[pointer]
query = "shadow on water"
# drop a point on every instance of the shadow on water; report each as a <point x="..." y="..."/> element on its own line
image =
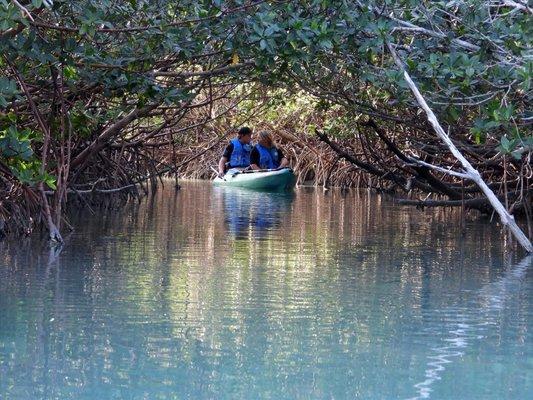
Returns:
<point x="251" y="213"/>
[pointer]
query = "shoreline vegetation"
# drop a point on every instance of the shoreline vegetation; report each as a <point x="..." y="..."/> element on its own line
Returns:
<point x="427" y="102"/>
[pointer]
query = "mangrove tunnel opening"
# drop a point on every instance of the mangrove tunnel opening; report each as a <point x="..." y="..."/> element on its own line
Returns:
<point x="101" y="100"/>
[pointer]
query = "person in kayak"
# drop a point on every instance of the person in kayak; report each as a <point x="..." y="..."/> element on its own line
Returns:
<point x="265" y="155"/>
<point x="237" y="152"/>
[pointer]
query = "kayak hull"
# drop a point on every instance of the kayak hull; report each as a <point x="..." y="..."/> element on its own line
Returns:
<point x="275" y="180"/>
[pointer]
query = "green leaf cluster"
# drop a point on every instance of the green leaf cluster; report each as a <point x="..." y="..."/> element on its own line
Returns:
<point x="16" y="152"/>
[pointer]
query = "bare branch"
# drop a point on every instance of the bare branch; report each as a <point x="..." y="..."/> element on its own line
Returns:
<point x="470" y="171"/>
<point x="24" y="10"/>
<point x="461" y="175"/>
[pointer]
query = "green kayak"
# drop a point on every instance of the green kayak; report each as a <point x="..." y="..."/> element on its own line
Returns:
<point x="272" y="180"/>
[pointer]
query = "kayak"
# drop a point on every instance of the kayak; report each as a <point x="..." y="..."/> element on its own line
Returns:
<point x="272" y="180"/>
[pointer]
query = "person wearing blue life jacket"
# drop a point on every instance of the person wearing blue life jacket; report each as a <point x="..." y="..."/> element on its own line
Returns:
<point x="265" y="155"/>
<point x="237" y="152"/>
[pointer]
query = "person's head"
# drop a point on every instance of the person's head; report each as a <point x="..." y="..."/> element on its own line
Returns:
<point x="245" y="135"/>
<point x="265" y="139"/>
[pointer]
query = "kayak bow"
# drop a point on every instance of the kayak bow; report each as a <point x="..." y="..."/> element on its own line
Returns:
<point x="276" y="179"/>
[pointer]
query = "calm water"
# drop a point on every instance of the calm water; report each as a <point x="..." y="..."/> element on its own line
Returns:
<point x="217" y="294"/>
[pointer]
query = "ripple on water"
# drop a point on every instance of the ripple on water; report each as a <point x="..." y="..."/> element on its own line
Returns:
<point x="229" y="294"/>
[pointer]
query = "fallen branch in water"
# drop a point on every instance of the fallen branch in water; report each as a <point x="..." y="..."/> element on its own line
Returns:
<point x="469" y="203"/>
<point x="442" y="203"/>
<point x="469" y="171"/>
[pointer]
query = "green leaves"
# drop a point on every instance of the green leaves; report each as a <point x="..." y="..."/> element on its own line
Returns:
<point x="495" y="118"/>
<point x="49" y="180"/>
<point x="507" y="145"/>
<point x="503" y="113"/>
<point x="16" y="152"/>
<point x="525" y="74"/>
<point x="16" y="144"/>
<point x="70" y="72"/>
<point x="40" y="3"/>
<point x="330" y="45"/>
<point x="516" y="147"/>
<point x="9" y="15"/>
<point x="8" y="90"/>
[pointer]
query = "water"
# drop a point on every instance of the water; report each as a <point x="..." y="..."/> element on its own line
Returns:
<point x="225" y="294"/>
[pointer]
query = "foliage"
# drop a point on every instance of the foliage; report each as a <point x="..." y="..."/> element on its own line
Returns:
<point x="16" y="152"/>
<point x="471" y="58"/>
<point x="106" y="75"/>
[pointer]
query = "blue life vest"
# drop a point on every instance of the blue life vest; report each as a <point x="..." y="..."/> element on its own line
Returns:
<point x="240" y="156"/>
<point x="268" y="158"/>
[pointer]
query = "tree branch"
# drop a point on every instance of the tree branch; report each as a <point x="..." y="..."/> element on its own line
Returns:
<point x="470" y="172"/>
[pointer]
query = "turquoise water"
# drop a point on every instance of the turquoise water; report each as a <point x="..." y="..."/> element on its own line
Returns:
<point x="226" y="294"/>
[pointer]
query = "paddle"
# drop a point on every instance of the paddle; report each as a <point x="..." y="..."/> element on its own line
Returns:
<point x="216" y="172"/>
<point x="232" y="173"/>
<point x="251" y="171"/>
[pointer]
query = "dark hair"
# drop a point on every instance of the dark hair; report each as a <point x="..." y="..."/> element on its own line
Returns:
<point x="245" y="131"/>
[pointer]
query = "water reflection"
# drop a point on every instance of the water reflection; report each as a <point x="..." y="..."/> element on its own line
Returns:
<point x="250" y="213"/>
<point x="469" y="325"/>
<point x="342" y="297"/>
